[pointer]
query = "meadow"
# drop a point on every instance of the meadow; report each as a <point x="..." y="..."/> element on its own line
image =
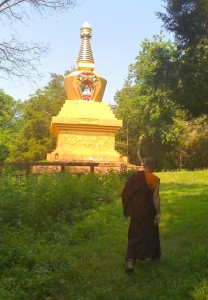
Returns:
<point x="63" y="237"/>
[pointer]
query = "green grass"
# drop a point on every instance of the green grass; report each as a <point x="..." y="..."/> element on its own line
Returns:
<point x="86" y="260"/>
<point x="182" y="272"/>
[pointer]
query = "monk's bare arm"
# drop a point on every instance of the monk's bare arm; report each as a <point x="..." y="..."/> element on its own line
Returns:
<point x="156" y="200"/>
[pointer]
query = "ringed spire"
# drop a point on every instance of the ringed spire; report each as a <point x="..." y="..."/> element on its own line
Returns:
<point x="85" y="60"/>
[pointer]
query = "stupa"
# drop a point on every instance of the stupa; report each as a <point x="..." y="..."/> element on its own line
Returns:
<point x="85" y="126"/>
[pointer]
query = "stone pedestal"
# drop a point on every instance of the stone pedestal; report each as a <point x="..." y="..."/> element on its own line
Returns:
<point x="85" y="131"/>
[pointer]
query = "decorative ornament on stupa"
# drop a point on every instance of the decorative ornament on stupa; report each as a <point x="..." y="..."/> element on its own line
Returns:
<point x="85" y="126"/>
<point x="85" y="83"/>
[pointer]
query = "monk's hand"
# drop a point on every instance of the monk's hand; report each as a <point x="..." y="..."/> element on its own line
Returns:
<point x="157" y="219"/>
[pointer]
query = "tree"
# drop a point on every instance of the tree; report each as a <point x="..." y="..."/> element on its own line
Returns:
<point x="10" y="114"/>
<point x="154" y="127"/>
<point x="155" y="105"/>
<point x="147" y="106"/>
<point x="34" y="140"/>
<point x="157" y="66"/>
<point x="193" y="93"/>
<point x="187" y="19"/>
<point x="128" y="110"/>
<point x="20" y="58"/>
<point x="195" y="152"/>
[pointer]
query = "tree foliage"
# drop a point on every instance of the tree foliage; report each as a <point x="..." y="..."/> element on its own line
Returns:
<point x="10" y="115"/>
<point x="157" y="105"/>
<point x="156" y="65"/>
<point x="187" y="19"/>
<point x="34" y="140"/>
<point x="195" y="156"/>
<point x="146" y="104"/>
<point x="193" y="93"/>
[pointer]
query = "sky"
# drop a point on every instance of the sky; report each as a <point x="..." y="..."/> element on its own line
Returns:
<point x="118" y="29"/>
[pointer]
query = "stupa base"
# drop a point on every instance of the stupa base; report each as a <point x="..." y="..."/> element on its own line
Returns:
<point x="114" y="157"/>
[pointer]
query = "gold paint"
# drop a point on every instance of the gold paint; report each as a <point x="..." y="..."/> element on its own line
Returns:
<point x="88" y="121"/>
<point x="92" y="143"/>
<point x="85" y="127"/>
<point x="85" y="59"/>
<point x="84" y="76"/>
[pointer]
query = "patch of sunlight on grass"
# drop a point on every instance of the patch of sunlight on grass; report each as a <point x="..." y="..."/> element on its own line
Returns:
<point x="201" y="291"/>
<point x="187" y="177"/>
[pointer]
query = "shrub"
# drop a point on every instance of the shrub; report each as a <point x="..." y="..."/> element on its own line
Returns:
<point x="40" y="201"/>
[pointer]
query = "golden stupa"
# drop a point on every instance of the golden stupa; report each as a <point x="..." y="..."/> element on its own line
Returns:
<point x="85" y="127"/>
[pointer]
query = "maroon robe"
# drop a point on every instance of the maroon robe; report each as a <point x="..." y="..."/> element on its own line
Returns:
<point x="143" y="234"/>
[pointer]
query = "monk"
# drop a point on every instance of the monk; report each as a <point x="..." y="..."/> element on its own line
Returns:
<point x="141" y="202"/>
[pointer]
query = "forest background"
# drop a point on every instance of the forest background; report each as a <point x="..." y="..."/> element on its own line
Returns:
<point x="163" y="103"/>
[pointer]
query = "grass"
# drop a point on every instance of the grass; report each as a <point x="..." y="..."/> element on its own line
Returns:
<point x="182" y="273"/>
<point x="86" y="260"/>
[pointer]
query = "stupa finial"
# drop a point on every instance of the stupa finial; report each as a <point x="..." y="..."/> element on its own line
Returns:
<point x="85" y="59"/>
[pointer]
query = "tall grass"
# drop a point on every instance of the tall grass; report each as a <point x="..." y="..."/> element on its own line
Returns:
<point x="64" y="237"/>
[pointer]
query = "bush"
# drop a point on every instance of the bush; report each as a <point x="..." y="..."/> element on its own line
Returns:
<point x="38" y="225"/>
<point x="40" y="201"/>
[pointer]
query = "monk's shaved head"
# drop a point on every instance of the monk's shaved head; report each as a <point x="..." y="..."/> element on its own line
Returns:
<point x="149" y="163"/>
